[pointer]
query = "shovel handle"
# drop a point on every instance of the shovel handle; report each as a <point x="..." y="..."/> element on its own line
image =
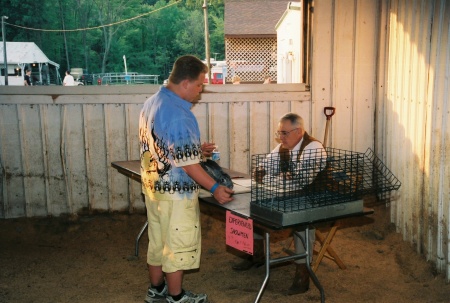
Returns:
<point x="329" y="108"/>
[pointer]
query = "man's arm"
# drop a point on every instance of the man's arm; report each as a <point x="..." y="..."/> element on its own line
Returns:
<point x="222" y="193"/>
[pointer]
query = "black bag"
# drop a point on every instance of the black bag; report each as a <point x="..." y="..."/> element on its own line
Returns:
<point x="215" y="171"/>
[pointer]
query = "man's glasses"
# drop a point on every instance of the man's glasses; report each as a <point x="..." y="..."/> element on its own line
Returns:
<point x="280" y="134"/>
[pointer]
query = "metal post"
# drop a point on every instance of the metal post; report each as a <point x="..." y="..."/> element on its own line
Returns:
<point x="126" y="71"/>
<point x="5" y="61"/>
<point x="208" y="63"/>
<point x="125" y="63"/>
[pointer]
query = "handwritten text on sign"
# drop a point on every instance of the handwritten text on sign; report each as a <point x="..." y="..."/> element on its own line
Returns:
<point x="239" y="233"/>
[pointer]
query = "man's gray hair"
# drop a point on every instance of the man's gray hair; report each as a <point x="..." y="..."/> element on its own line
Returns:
<point x="295" y="120"/>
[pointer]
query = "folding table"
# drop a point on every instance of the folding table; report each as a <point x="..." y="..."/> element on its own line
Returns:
<point x="240" y="206"/>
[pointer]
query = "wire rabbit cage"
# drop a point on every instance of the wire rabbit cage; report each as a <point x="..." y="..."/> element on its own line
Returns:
<point x="292" y="188"/>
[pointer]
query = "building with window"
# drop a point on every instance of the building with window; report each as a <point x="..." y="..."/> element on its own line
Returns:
<point x="251" y="38"/>
<point x="290" y="45"/>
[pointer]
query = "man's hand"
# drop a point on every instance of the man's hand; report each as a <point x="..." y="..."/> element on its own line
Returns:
<point x="207" y="148"/>
<point x="223" y="194"/>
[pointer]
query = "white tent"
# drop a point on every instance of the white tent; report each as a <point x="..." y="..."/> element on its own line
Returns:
<point x="26" y="55"/>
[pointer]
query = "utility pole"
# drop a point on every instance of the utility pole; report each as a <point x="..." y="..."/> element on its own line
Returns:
<point x="208" y="59"/>
<point x="5" y="60"/>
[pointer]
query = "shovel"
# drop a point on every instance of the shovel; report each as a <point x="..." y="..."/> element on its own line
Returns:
<point x="329" y="112"/>
<point x="325" y="241"/>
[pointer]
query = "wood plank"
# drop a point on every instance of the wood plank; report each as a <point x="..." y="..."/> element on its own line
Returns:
<point x="33" y="161"/>
<point x="115" y="151"/>
<point x="365" y="72"/>
<point x="51" y="120"/>
<point x="219" y="131"/>
<point x="260" y="132"/>
<point x="12" y="204"/>
<point x="137" y="202"/>
<point x="322" y="63"/>
<point x="342" y="127"/>
<point x="95" y="141"/>
<point x="239" y="136"/>
<point x="74" y="161"/>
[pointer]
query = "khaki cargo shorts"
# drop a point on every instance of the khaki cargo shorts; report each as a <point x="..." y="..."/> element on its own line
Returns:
<point x="174" y="234"/>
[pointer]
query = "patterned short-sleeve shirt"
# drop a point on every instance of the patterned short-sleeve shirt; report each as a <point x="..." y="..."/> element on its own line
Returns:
<point x="169" y="139"/>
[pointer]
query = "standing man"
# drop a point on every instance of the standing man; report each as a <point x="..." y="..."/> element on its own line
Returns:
<point x="68" y="79"/>
<point x="296" y="147"/>
<point x="170" y="150"/>
<point x="27" y="78"/>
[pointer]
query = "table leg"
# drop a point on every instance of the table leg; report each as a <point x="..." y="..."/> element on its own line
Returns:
<point x="289" y="258"/>
<point x="308" y="266"/>
<point x="266" y="277"/>
<point x="136" y="245"/>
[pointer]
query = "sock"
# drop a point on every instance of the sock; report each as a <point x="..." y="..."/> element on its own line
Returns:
<point x="160" y="288"/>
<point x="178" y="297"/>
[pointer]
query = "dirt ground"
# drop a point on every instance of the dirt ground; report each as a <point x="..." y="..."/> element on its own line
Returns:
<point x="91" y="259"/>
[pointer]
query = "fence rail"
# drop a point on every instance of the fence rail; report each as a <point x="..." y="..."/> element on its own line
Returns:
<point x="121" y="78"/>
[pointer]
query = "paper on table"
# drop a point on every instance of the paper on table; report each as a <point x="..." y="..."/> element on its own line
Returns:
<point x="243" y="182"/>
<point x="238" y="189"/>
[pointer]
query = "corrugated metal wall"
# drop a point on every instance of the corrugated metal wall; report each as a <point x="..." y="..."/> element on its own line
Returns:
<point x="413" y="129"/>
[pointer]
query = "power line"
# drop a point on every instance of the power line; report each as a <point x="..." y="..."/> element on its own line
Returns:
<point x="95" y="27"/>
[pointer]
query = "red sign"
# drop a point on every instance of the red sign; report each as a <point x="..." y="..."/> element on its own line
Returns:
<point x="239" y="233"/>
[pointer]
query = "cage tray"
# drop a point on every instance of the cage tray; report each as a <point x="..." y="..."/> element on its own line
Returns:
<point x="306" y="214"/>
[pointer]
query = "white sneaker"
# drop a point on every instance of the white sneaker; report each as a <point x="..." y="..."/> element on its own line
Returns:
<point x="154" y="296"/>
<point x="189" y="298"/>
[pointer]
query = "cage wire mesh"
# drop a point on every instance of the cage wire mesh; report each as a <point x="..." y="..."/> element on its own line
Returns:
<point x="287" y="182"/>
<point x="380" y="181"/>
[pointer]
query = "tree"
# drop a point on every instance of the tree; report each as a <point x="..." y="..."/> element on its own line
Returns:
<point x="84" y="11"/>
<point x="217" y="36"/>
<point x="92" y="33"/>
<point x="190" y="38"/>
<point x="110" y="12"/>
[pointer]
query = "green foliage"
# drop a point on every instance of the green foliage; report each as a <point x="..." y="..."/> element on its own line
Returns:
<point x="151" y="42"/>
<point x="217" y="37"/>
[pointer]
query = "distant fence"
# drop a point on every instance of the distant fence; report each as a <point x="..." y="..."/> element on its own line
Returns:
<point x="121" y="78"/>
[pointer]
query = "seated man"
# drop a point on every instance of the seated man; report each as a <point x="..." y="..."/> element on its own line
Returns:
<point x="296" y="153"/>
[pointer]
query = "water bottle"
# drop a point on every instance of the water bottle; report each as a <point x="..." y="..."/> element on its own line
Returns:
<point x="215" y="154"/>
